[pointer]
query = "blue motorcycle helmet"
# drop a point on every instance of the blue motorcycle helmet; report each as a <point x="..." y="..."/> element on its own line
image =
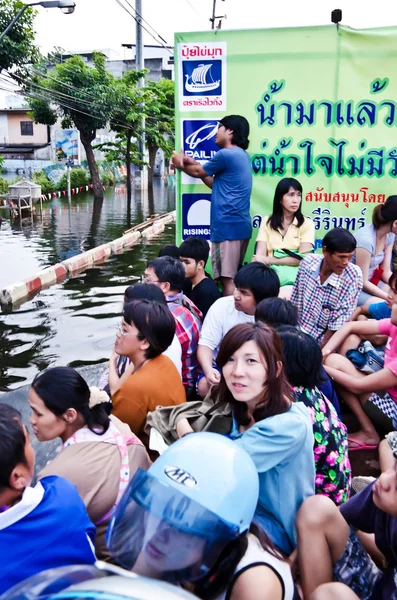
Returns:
<point x="175" y="520"/>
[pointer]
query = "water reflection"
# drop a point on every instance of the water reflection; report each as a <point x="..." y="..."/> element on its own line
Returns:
<point x="74" y="322"/>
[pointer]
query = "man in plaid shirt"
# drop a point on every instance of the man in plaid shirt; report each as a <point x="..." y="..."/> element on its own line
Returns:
<point x="327" y="286"/>
<point x="168" y="273"/>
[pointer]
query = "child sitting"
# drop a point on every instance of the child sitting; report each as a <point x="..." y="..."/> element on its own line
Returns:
<point x="41" y="527"/>
<point x="194" y="253"/>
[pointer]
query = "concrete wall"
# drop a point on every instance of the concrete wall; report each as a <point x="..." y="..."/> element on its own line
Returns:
<point x="39" y="136"/>
<point x="25" y="166"/>
<point x="3" y="128"/>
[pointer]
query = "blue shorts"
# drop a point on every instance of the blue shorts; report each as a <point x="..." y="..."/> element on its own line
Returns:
<point x="379" y="311"/>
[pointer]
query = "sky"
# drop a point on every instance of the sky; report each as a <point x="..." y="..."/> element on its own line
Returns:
<point x="101" y="24"/>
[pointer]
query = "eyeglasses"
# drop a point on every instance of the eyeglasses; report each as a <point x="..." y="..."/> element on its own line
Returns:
<point x="146" y="280"/>
<point x="125" y="333"/>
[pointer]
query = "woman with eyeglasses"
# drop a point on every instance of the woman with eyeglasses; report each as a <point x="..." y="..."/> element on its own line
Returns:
<point x="99" y="454"/>
<point x="120" y="367"/>
<point x="147" y="330"/>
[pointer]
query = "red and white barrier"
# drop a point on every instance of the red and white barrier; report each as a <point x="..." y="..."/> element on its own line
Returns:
<point x="23" y="289"/>
<point x="126" y="241"/>
<point x="20" y="291"/>
<point x="82" y="261"/>
<point x="158" y="226"/>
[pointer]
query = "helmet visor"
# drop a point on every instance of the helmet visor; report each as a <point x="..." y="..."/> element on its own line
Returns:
<point x="47" y="583"/>
<point x="157" y="531"/>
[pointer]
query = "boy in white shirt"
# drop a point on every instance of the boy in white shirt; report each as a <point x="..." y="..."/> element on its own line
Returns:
<point x="253" y="283"/>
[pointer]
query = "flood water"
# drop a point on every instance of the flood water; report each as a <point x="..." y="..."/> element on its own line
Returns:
<point x="73" y="323"/>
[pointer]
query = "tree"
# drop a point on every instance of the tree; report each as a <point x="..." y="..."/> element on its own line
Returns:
<point x="126" y="120"/>
<point x="130" y="103"/>
<point x="17" y="49"/>
<point x="81" y="95"/>
<point x="159" y="126"/>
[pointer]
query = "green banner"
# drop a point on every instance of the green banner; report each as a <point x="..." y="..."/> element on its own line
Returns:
<point x="322" y="107"/>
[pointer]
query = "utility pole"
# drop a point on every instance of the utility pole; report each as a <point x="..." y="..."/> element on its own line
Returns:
<point x="213" y="14"/>
<point x="139" y="65"/>
<point x="213" y="18"/>
<point x="139" y="39"/>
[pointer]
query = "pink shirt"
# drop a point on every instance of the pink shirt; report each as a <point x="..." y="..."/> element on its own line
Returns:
<point x="386" y="327"/>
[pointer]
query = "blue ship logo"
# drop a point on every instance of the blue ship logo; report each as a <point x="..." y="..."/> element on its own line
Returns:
<point x="202" y="78"/>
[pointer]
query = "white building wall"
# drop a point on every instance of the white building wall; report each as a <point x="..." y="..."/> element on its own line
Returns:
<point x="3" y="128"/>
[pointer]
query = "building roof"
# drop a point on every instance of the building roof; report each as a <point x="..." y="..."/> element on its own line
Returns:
<point x="20" y="148"/>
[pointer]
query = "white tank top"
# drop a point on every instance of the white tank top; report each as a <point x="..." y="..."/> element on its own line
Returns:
<point x="255" y="555"/>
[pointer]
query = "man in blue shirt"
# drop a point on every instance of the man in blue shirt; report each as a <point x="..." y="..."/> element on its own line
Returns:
<point x="229" y="175"/>
<point x="41" y="527"/>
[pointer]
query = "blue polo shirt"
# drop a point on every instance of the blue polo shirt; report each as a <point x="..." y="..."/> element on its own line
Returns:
<point x="48" y="528"/>
<point x="231" y="193"/>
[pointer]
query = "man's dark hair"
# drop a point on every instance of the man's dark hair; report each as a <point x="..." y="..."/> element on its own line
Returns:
<point x="169" y="269"/>
<point x="302" y="357"/>
<point x="339" y="240"/>
<point x="260" y="279"/>
<point x="196" y="248"/>
<point x="169" y="250"/>
<point x="276" y="311"/>
<point x="12" y="443"/>
<point x="154" y="322"/>
<point x="144" y="291"/>
<point x="240" y="127"/>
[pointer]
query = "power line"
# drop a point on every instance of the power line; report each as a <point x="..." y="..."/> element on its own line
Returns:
<point x="41" y="96"/>
<point x="145" y="21"/>
<point x="193" y="8"/>
<point x="64" y="96"/>
<point x="143" y="27"/>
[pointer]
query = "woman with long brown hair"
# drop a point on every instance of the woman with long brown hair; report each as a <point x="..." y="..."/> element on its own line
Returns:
<point x="275" y="431"/>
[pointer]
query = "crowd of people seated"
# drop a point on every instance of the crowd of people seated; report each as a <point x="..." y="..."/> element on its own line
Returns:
<point x="214" y="452"/>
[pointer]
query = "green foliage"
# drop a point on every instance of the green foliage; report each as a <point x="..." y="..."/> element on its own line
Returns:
<point x="108" y="178"/>
<point x="78" y="177"/>
<point x="115" y="152"/>
<point x="41" y="178"/>
<point x="17" y="49"/>
<point x="79" y="94"/>
<point x="4" y="185"/>
<point x="41" y="112"/>
<point x="160" y="111"/>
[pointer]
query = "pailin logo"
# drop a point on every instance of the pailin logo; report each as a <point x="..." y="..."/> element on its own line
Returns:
<point x="180" y="476"/>
<point x="199" y="138"/>
<point x="202" y="77"/>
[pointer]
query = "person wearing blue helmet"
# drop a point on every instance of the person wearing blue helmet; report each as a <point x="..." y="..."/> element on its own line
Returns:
<point x="187" y="521"/>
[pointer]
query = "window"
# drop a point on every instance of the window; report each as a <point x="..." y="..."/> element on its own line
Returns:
<point x="26" y="127"/>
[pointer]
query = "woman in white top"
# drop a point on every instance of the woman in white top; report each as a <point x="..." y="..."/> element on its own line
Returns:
<point x="374" y="250"/>
<point x="187" y="521"/>
<point x="286" y="227"/>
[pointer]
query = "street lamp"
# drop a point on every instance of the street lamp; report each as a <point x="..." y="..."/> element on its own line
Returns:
<point x="66" y="6"/>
